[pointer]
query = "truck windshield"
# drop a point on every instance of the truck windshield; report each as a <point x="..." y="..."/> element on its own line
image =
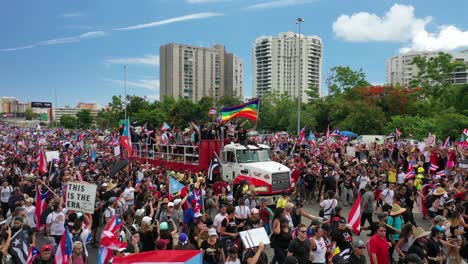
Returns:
<point x="246" y="156"/>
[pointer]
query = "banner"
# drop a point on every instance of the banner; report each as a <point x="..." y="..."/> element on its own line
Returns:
<point x="253" y="237"/>
<point x="51" y="155"/>
<point x="162" y="257"/>
<point x="81" y="197"/>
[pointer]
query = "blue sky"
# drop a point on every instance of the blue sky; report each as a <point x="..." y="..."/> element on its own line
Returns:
<point x="78" y="48"/>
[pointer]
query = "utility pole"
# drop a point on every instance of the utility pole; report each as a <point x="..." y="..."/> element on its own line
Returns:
<point x="299" y="20"/>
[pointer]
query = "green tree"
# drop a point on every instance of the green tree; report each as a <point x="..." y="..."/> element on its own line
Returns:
<point x="69" y="121"/>
<point x="343" y="79"/>
<point x="85" y="120"/>
<point x="364" y="119"/>
<point x="30" y="115"/>
<point x="228" y="101"/>
<point x="313" y="92"/>
<point x="416" y="125"/>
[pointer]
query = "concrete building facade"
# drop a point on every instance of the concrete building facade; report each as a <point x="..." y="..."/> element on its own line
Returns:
<point x="192" y="72"/>
<point x="288" y="63"/>
<point x="401" y="71"/>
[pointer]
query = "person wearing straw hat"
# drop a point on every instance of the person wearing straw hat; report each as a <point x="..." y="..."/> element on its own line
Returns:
<point x="395" y="221"/>
<point x="418" y="246"/>
<point x="435" y="202"/>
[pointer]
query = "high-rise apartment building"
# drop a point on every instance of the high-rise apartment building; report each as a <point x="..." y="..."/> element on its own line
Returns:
<point x="401" y="71"/>
<point x="194" y="72"/>
<point x="287" y="63"/>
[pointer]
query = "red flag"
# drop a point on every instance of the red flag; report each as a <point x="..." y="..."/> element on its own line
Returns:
<point x="42" y="163"/>
<point x="354" y="217"/>
<point x="40" y="207"/>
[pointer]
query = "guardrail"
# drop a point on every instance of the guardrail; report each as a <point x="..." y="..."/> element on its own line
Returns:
<point x="174" y="153"/>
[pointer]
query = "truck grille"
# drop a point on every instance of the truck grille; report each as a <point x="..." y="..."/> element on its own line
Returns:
<point x="280" y="181"/>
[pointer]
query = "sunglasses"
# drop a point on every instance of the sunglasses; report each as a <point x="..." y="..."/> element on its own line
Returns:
<point x="362" y="247"/>
<point x="303" y="231"/>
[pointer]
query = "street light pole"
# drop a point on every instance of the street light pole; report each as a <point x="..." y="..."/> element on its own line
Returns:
<point x="125" y="90"/>
<point x="299" y="20"/>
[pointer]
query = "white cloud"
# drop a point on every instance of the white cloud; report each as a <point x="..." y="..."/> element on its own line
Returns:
<point x="152" y="60"/>
<point x="172" y="20"/>
<point x="73" y="14"/>
<point x="448" y="38"/>
<point x="279" y="3"/>
<point x="78" y="38"/>
<point x="58" y="41"/>
<point x="150" y="84"/>
<point x="18" y="48"/>
<point x="398" y="25"/>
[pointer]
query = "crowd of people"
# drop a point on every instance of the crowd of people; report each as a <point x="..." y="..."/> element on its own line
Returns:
<point x="401" y="188"/>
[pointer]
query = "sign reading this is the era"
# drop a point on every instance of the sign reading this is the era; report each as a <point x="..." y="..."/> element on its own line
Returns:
<point x="81" y="197"/>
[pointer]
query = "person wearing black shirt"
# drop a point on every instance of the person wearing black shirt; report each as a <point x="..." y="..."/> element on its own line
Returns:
<point x="256" y="255"/>
<point x="212" y="249"/>
<point x="300" y="246"/>
<point x="343" y="236"/>
<point x="410" y="193"/>
<point x="434" y="247"/>
<point x="357" y="257"/>
<point x="418" y="246"/>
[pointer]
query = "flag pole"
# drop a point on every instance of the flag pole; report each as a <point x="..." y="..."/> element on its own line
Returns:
<point x="43" y="183"/>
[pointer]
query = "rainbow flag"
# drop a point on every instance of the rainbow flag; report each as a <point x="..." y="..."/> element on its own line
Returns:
<point x="247" y="110"/>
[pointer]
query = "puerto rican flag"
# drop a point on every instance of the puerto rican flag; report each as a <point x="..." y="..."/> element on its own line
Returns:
<point x="162" y="256"/>
<point x="336" y="132"/>
<point x="327" y="133"/>
<point x="165" y="126"/>
<point x="397" y="132"/>
<point x="212" y="112"/>
<point x="126" y="138"/>
<point x="32" y="255"/>
<point x="410" y="174"/>
<point x="301" y="135"/>
<point x="447" y="142"/>
<point x="64" y="249"/>
<point x="442" y="173"/>
<point x="42" y="162"/>
<point x="196" y="196"/>
<point x="108" y="240"/>
<point x="40" y="206"/>
<point x="433" y="167"/>
<point x="354" y="217"/>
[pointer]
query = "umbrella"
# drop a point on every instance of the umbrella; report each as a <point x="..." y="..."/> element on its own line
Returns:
<point x="348" y="134"/>
<point x="118" y="166"/>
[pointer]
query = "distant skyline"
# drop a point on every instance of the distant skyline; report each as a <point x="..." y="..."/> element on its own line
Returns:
<point x="78" y="49"/>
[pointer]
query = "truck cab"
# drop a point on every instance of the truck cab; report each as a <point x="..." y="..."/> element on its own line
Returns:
<point x="253" y="164"/>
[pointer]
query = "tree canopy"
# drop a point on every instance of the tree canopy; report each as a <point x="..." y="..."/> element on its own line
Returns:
<point x="430" y="103"/>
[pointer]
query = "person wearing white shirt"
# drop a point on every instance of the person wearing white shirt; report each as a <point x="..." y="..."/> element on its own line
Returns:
<point x="328" y="205"/>
<point x="387" y="197"/>
<point x="129" y="194"/>
<point x="5" y="192"/>
<point x="401" y="177"/>
<point x="220" y="217"/>
<point x="55" y="223"/>
<point x="242" y="211"/>
<point x="30" y="212"/>
<point x="363" y="180"/>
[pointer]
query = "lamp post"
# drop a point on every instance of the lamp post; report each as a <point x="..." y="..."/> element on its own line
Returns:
<point x="299" y="20"/>
<point x="125" y="90"/>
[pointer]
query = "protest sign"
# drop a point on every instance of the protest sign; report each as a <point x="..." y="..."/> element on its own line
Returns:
<point x="116" y="151"/>
<point x="253" y="237"/>
<point x="81" y="197"/>
<point x="51" y="155"/>
<point x="350" y="152"/>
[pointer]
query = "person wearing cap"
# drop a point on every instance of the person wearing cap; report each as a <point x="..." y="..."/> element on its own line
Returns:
<point x="78" y="257"/>
<point x="254" y="220"/>
<point x="110" y="211"/>
<point x="343" y="237"/>
<point x="378" y="246"/>
<point x="266" y="215"/>
<point x="184" y="243"/>
<point x="167" y="230"/>
<point x="358" y="254"/>
<point x="434" y="249"/>
<point x="46" y="255"/>
<point x="212" y="249"/>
